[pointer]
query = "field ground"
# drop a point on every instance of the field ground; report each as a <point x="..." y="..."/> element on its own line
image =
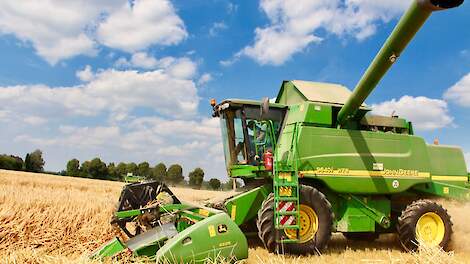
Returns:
<point x="54" y="219"/>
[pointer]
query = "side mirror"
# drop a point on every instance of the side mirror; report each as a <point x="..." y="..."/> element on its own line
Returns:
<point x="264" y="107"/>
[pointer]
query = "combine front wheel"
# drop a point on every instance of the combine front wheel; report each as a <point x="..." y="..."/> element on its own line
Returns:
<point x="316" y="220"/>
<point x="424" y="223"/>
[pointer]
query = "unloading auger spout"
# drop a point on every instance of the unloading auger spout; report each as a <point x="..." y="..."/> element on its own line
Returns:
<point x="391" y="50"/>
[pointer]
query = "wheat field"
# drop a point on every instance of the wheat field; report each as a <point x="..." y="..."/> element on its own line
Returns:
<point x="55" y="219"/>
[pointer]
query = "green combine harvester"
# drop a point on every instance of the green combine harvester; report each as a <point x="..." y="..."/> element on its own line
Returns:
<point x="314" y="163"/>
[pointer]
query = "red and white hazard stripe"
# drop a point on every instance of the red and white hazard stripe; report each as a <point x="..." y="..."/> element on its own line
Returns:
<point x="286" y="207"/>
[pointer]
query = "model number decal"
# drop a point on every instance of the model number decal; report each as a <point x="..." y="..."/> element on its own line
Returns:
<point x="348" y="172"/>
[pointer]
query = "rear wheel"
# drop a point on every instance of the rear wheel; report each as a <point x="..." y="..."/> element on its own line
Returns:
<point x="316" y="220"/>
<point x="424" y="223"/>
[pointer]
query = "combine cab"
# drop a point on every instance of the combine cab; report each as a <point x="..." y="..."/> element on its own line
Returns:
<point x="315" y="162"/>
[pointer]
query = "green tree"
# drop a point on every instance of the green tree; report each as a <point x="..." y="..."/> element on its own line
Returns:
<point x="214" y="184"/>
<point x="84" y="169"/>
<point x="132" y="168"/>
<point x="121" y="170"/>
<point x="112" y="171"/>
<point x="144" y="169"/>
<point x="175" y="174"/>
<point x="73" y="167"/>
<point x="159" y="172"/>
<point x="10" y="162"/>
<point x="98" y="169"/>
<point x="34" y="161"/>
<point x="196" y="177"/>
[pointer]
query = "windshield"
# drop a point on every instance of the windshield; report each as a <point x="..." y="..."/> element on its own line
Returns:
<point x="233" y="138"/>
<point x="246" y="137"/>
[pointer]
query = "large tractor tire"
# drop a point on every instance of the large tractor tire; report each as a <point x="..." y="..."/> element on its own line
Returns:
<point x="316" y="221"/>
<point x="426" y="223"/>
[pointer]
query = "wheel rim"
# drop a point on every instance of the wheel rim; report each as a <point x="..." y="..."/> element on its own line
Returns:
<point x="430" y="229"/>
<point x="308" y="225"/>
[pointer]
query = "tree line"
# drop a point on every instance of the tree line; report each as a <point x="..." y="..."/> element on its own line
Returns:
<point x="97" y="169"/>
<point x="33" y="162"/>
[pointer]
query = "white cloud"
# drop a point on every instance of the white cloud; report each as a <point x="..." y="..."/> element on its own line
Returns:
<point x="216" y="28"/>
<point x="180" y="68"/>
<point x="86" y="74"/>
<point x="143" y="60"/>
<point x="232" y="8"/>
<point x="295" y="24"/>
<point x="459" y="93"/>
<point x="467" y="159"/>
<point x="204" y="79"/>
<point x="425" y="113"/>
<point x="54" y="28"/>
<point x="136" y="27"/>
<point x="168" y="91"/>
<point x="35" y="120"/>
<point x="59" y="30"/>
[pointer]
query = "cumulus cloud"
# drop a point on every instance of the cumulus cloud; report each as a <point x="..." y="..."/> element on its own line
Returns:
<point x="204" y="79"/>
<point x="57" y="31"/>
<point x="98" y="118"/>
<point x="136" y="26"/>
<point x="425" y="113"/>
<point x="296" y="24"/>
<point x="216" y="28"/>
<point x="143" y="60"/>
<point x="168" y="91"/>
<point x="181" y="68"/>
<point x="86" y="74"/>
<point x="459" y="93"/>
<point x="467" y="159"/>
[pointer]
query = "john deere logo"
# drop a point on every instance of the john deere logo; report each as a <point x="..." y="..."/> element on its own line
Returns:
<point x="221" y="228"/>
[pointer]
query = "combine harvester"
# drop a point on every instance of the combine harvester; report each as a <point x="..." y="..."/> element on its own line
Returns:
<point x="314" y="163"/>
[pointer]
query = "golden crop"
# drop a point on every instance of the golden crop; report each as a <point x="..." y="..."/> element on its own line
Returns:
<point x="54" y="219"/>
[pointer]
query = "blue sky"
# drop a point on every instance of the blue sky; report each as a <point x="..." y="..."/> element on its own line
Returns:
<point x="131" y="81"/>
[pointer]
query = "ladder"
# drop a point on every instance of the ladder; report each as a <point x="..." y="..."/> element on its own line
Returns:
<point x="286" y="195"/>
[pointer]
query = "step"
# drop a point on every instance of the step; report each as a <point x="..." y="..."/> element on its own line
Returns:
<point x="286" y="184"/>
<point x="288" y="241"/>
<point x="287" y="227"/>
<point x="286" y="213"/>
<point x="286" y="199"/>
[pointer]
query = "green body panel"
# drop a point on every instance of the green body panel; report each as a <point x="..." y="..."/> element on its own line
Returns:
<point x="247" y="171"/>
<point x="445" y="190"/>
<point x="290" y="95"/>
<point x="362" y="214"/>
<point x="314" y="113"/>
<point x="447" y="160"/>
<point x="211" y="239"/>
<point x="345" y="159"/>
<point x="109" y="249"/>
<point x="244" y="207"/>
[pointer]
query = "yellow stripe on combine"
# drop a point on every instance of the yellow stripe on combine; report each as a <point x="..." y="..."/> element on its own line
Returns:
<point x="450" y="178"/>
<point x="366" y="173"/>
<point x="384" y="173"/>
